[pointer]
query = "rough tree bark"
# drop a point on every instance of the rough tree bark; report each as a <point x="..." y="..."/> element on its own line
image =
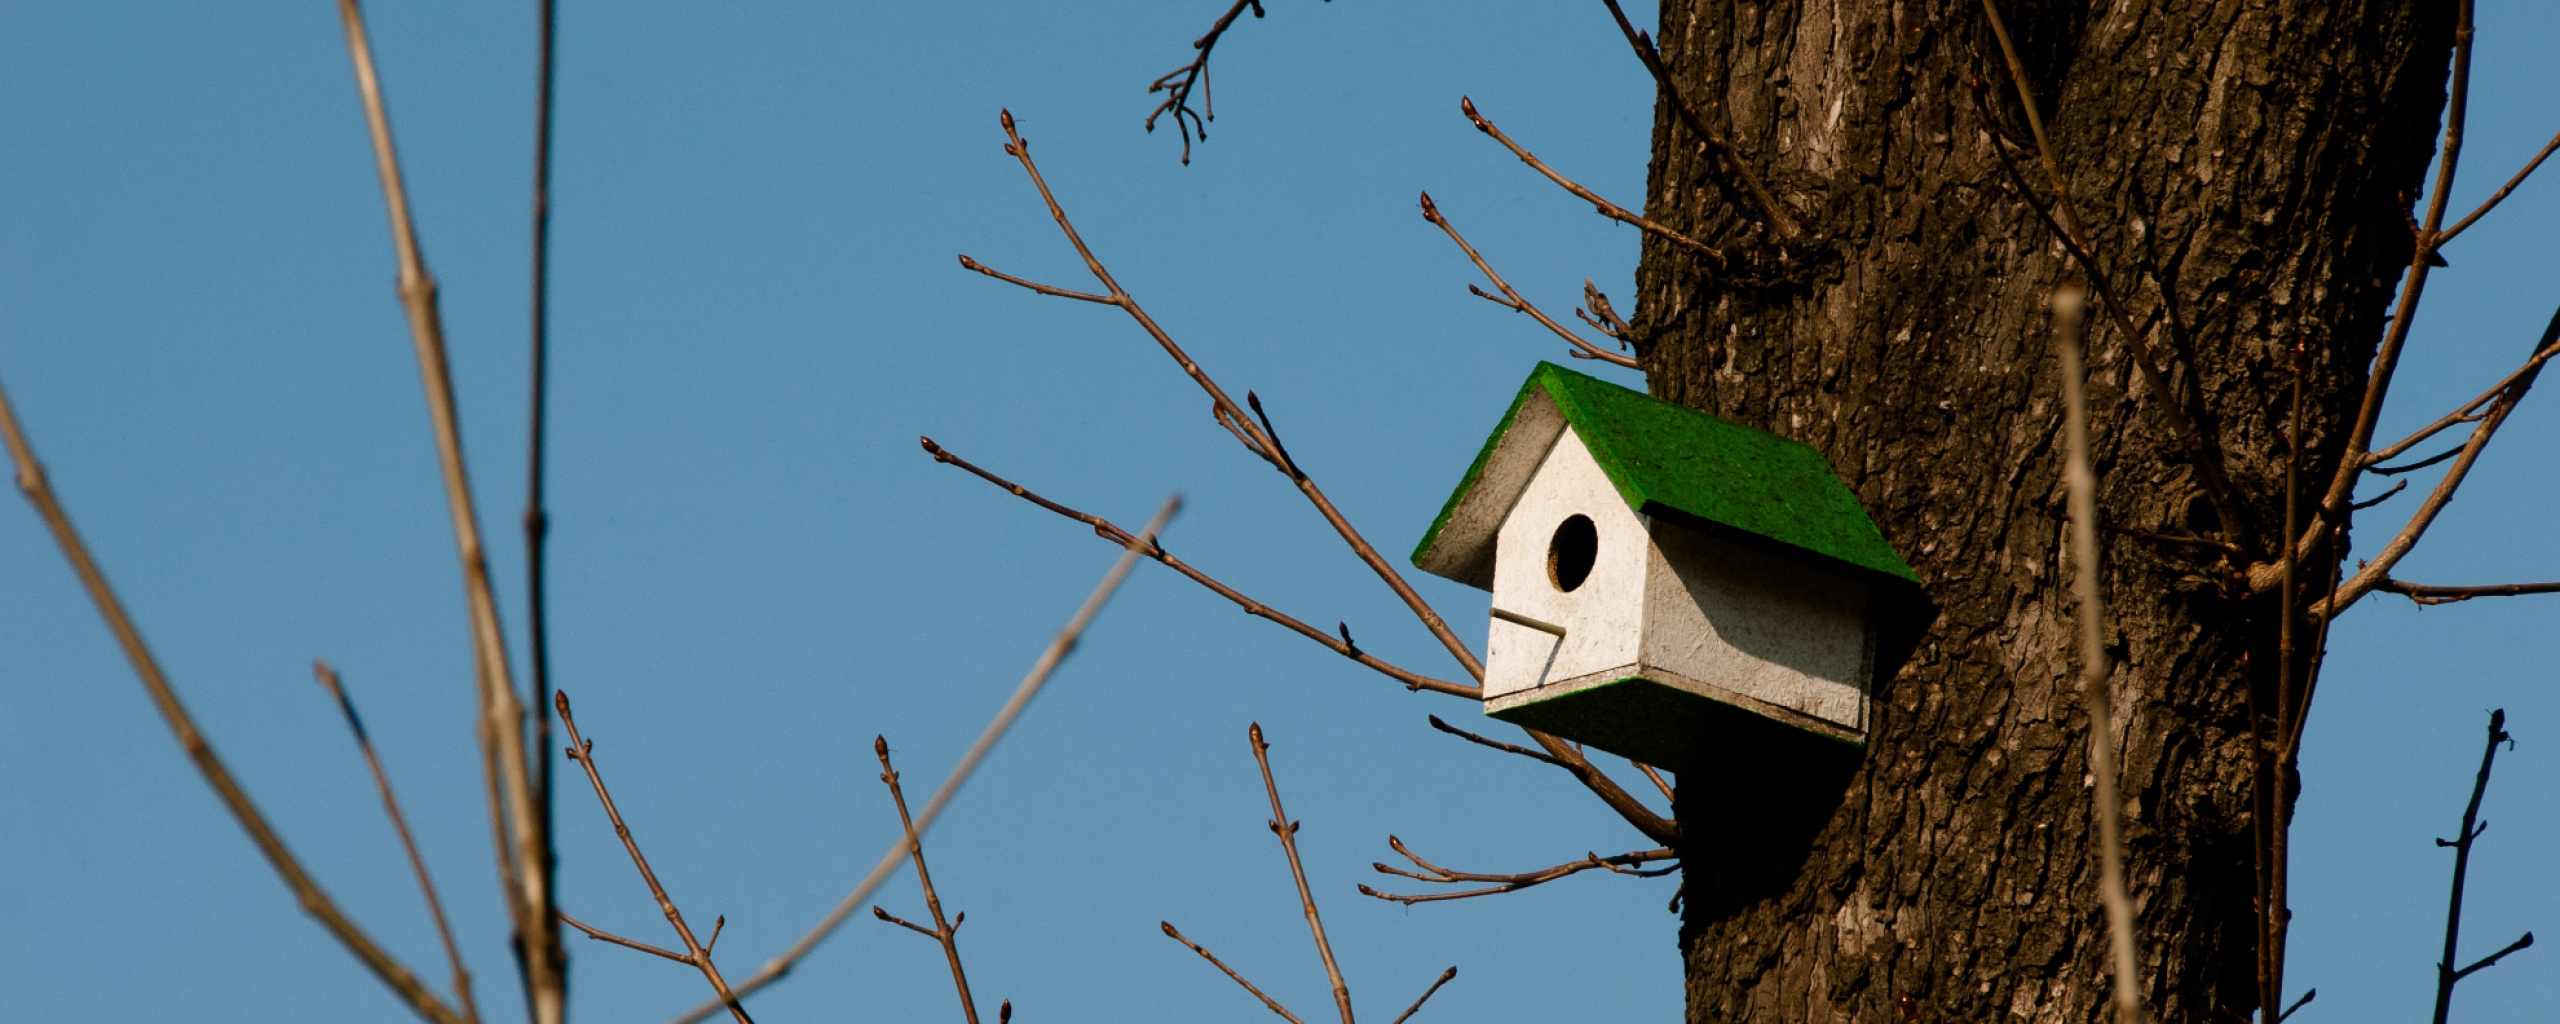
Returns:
<point x="2242" y="168"/>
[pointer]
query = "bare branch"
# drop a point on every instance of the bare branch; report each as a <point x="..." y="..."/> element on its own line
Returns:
<point x="1287" y="830"/>
<point x="1604" y="207"/>
<point x="2499" y="197"/>
<point x="1104" y="529"/>
<point x="944" y="932"/>
<point x="502" y="736"/>
<point x="1036" y="286"/>
<point x="1622" y="863"/>
<point x="1177" y="85"/>
<point x="602" y="935"/>
<point x="2468" y="413"/>
<point x="1508" y="748"/>
<point x="537" y="521"/>
<point x="1177" y="936"/>
<point x="316" y="902"/>
<point x="1050" y="658"/>
<point x="1427" y="993"/>
<point x="2446" y="976"/>
<point x="583" y="751"/>
<point x="2425" y="594"/>
<point x="1233" y="418"/>
<point x="1714" y="140"/>
<point x="1511" y="298"/>
<point x="1658" y="782"/>
<point x="408" y="842"/>
<point x="2067" y="306"/>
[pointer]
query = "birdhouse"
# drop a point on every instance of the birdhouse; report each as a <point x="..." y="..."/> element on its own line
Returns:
<point x="1662" y="578"/>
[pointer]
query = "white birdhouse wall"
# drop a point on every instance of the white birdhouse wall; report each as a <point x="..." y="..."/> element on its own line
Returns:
<point x="1758" y="625"/>
<point x="1603" y="613"/>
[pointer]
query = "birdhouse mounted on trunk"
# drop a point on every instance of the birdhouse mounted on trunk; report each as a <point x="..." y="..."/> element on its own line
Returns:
<point x="1663" y="578"/>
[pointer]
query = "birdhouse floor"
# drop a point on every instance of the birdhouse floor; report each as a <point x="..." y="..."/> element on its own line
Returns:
<point x="1643" y="713"/>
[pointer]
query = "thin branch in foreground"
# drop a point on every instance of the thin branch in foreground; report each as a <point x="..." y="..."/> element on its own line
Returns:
<point x="1176" y="935"/>
<point x="1177" y="84"/>
<point x="1510" y="298"/>
<point x="2446" y="975"/>
<point x="1604" y="207"/>
<point x="526" y="838"/>
<point x="601" y="935"/>
<point x="2468" y="413"/>
<point x="583" y="751"/>
<point x="1104" y="529"/>
<point x="328" y="678"/>
<point x="2067" y="307"/>
<point x="537" y="520"/>
<point x="2425" y="594"/>
<point x="2441" y="237"/>
<point x="1621" y="864"/>
<point x="1050" y="658"/>
<point x="38" y="489"/>
<point x="944" y="932"/>
<point x="1714" y="140"/>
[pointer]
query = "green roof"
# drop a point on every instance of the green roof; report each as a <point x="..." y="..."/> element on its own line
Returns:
<point x="1663" y="458"/>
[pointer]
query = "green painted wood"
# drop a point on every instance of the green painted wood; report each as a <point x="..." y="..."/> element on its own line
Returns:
<point x="1705" y="468"/>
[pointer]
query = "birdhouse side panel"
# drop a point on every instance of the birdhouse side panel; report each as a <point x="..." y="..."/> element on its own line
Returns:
<point x="1587" y="579"/>
<point x="1758" y="624"/>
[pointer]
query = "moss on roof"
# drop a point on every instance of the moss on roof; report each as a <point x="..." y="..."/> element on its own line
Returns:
<point x="1664" y="457"/>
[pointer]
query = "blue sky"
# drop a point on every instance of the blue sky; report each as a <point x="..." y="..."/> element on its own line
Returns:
<point x="756" y="311"/>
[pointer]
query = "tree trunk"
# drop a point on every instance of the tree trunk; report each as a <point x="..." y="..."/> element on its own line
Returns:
<point x="2243" y="169"/>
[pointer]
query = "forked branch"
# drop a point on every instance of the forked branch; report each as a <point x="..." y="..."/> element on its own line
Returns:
<point x="583" y="751"/>
<point x="944" y="932"/>
<point x="2446" y="974"/>
<point x="1177" y="84"/>
<point x="2426" y="594"/>
<point x="1623" y="863"/>
<point x="1511" y="299"/>
<point x="1604" y="207"/>
<point x="315" y="901"/>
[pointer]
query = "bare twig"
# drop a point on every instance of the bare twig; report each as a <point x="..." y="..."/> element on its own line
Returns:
<point x="944" y="932"/>
<point x="1604" y="207"/>
<point x="2425" y="594"/>
<point x="1176" y="935"/>
<point x="1445" y="977"/>
<point x="2499" y="197"/>
<point x="2067" y="308"/>
<point x="1622" y="864"/>
<point x="1287" y="830"/>
<point x="1715" y="141"/>
<point x="583" y="751"/>
<point x="1104" y="529"/>
<point x="601" y="935"/>
<point x="2446" y="975"/>
<point x="1508" y="748"/>
<point x="1658" y="781"/>
<point x="39" y="492"/>
<point x="1050" y="658"/>
<point x="2210" y="473"/>
<point x="408" y="842"/>
<point x="1177" y="84"/>
<point x="2468" y="413"/>
<point x="501" y="725"/>
<point x="1511" y="299"/>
